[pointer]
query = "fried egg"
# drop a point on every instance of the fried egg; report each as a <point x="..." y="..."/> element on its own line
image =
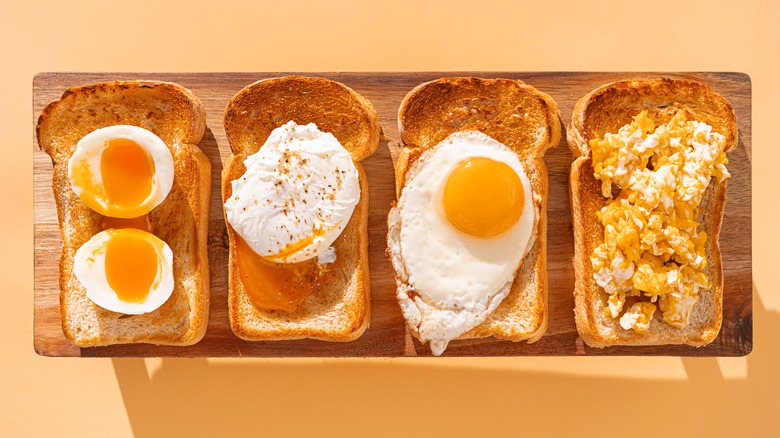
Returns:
<point x="125" y="270"/>
<point x="121" y="171"/>
<point x="465" y="219"/>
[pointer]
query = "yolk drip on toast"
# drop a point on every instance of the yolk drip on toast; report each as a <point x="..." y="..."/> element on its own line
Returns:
<point x="277" y="286"/>
<point x="139" y="223"/>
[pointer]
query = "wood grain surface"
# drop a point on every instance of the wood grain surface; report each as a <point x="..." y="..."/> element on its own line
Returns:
<point x="387" y="335"/>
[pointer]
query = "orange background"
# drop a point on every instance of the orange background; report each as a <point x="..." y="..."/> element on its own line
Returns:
<point x="534" y="396"/>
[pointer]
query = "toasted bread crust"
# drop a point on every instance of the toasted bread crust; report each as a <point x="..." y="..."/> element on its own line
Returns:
<point x="179" y="119"/>
<point x="261" y="107"/>
<point x="611" y="106"/>
<point x="340" y="310"/>
<point x="525" y="120"/>
<point x="508" y="110"/>
<point x="605" y="110"/>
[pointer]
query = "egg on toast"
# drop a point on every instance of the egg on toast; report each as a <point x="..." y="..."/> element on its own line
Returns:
<point x="132" y="192"/>
<point x="296" y="206"/>
<point x="467" y="235"/>
<point x="648" y="189"/>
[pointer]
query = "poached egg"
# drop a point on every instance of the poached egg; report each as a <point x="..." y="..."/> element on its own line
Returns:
<point x="293" y="201"/>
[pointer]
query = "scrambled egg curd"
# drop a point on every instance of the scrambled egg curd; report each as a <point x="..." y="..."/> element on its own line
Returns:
<point x="652" y="246"/>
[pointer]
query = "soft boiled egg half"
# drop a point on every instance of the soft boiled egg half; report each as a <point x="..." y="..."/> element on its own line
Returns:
<point x="125" y="270"/>
<point x="121" y="171"/>
<point x="289" y="207"/>
<point x="460" y="230"/>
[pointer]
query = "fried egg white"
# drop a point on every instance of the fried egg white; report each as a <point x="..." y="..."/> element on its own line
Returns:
<point x="125" y="270"/>
<point x="450" y="281"/>
<point x="121" y="171"/>
<point x="296" y="196"/>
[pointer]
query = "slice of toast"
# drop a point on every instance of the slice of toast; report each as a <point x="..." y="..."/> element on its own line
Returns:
<point x="525" y="120"/>
<point x="339" y="310"/>
<point x="177" y="116"/>
<point x="605" y="110"/>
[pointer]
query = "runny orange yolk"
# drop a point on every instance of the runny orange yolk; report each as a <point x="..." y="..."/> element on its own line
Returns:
<point x="292" y="248"/>
<point x="127" y="171"/>
<point x="131" y="265"/>
<point x="483" y="197"/>
<point x="275" y="286"/>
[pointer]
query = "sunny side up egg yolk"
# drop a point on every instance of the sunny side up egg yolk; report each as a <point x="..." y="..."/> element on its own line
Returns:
<point x="483" y="197"/>
<point x="131" y="266"/>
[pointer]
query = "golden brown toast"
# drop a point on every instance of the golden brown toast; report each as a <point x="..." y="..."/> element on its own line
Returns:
<point x="175" y="115"/>
<point x="605" y="110"/>
<point x="340" y="309"/>
<point x="525" y="120"/>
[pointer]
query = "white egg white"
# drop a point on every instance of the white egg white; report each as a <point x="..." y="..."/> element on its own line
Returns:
<point x="448" y="281"/>
<point x="89" y="266"/>
<point x="301" y="186"/>
<point x="89" y="151"/>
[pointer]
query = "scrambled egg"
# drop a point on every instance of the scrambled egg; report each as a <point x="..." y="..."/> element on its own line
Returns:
<point x="652" y="245"/>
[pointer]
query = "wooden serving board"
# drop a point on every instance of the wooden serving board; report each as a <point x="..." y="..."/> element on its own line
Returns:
<point x="387" y="335"/>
